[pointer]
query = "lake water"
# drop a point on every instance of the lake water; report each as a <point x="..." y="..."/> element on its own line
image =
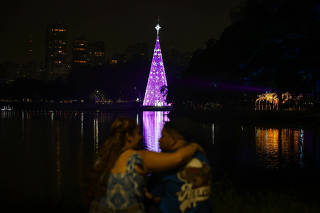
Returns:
<point x="45" y="155"/>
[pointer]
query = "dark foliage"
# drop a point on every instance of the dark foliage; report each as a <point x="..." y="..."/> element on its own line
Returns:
<point x="270" y="44"/>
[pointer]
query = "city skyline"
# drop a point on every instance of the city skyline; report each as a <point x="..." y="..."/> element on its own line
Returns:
<point x="117" y="25"/>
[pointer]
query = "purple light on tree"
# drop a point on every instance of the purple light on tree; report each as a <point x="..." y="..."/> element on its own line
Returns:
<point x="155" y="94"/>
<point x="153" y="122"/>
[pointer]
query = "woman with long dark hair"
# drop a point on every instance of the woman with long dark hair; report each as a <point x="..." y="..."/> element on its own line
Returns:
<point x="116" y="182"/>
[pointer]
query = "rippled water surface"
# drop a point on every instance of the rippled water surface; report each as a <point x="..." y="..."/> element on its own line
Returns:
<point x="45" y="155"/>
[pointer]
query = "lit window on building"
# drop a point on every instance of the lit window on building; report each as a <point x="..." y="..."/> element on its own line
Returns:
<point x="80" y="49"/>
<point x="79" y="61"/>
<point x="98" y="53"/>
<point x="59" y="30"/>
<point x="114" y="61"/>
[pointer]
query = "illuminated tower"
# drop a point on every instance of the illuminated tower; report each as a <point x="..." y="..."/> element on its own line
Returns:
<point x="56" y="51"/>
<point x="80" y="53"/>
<point x="97" y="53"/>
<point x="157" y="83"/>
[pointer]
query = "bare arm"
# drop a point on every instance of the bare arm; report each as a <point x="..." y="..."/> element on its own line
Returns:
<point x="158" y="162"/>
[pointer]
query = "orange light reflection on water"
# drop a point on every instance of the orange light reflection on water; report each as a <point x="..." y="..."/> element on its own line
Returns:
<point x="275" y="147"/>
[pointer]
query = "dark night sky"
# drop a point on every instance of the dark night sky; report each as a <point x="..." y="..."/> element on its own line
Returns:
<point x="186" y="25"/>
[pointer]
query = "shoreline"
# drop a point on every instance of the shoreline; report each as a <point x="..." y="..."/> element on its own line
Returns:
<point x="311" y="116"/>
<point x="47" y="106"/>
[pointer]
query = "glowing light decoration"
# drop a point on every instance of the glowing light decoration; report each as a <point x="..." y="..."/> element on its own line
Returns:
<point x="267" y="101"/>
<point x="155" y="94"/>
<point x="269" y="97"/>
<point x="286" y="97"/>
<point x="96" y="134"/>
<point x="212" y="127"/>
<point x="153" y="122"/>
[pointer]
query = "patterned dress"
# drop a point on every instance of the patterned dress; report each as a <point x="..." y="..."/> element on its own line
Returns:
<point x="124" y="190"/>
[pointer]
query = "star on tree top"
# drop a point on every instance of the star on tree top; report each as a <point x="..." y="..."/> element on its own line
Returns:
<point x="158" y="28"/>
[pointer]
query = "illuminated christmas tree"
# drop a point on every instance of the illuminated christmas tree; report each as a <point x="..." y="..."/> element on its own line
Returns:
<point x="157" y="83"/>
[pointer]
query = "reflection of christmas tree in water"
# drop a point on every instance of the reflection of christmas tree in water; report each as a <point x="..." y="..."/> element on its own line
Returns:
<point x="153" y="122"/>
<point x="157" y="83"/>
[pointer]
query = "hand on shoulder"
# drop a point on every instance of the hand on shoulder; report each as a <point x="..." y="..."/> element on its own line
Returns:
<point x="198" y="147"/>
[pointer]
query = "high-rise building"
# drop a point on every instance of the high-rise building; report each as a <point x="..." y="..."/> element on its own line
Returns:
<point x="80" y="52"/>
<point x="138" y="51"/>
<point x="118" y="58"/>
<point x="56" y="51"/>
<point x="30" y="48"/>
<point x="97" y="55"/>
<point x="29" y="67"/>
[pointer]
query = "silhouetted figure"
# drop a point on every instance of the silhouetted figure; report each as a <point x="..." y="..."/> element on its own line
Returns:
<point x="117" y="181"/>
<point x="186" y="189"/>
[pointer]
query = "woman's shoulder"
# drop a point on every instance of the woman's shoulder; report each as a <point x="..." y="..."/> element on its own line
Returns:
<point x="128" y="157"/>
<point x="131" y="153"/>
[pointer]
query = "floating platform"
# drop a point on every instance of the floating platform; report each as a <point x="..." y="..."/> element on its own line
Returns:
<point x="156" y="108"/>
